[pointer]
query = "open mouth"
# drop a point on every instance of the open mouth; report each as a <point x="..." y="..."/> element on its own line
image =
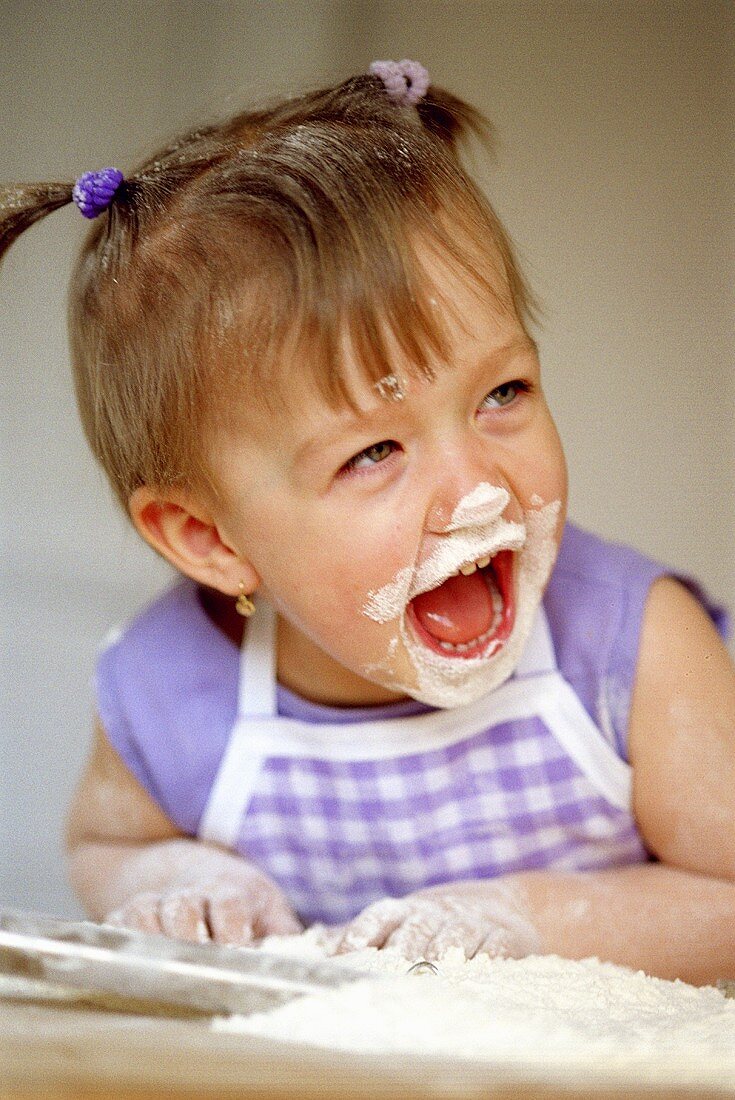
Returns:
<point x="472" y="613"/>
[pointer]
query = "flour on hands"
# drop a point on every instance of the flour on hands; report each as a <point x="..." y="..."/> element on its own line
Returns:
<point x="430" y="922"/>
<point x="211" y="911"/>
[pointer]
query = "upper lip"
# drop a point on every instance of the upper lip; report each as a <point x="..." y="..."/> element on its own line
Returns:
<point x="461" y="548"/>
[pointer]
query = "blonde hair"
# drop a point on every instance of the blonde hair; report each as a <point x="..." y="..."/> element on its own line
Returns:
<point x="299" y="219"/>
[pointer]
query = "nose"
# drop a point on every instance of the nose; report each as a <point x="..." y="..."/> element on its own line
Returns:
<point x="469" y="505"/>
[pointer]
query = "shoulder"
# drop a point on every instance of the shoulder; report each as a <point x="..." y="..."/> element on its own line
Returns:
<point x="681" y="652"/>
<point x="679" y="627"/>
<point x="601" y="562"/>
<point x="166" y="694"/>
<point x="595" y="602"/>
<point x="682" y="733"/>
<point x="166" y="640"/>
<point x="172" y="609"/>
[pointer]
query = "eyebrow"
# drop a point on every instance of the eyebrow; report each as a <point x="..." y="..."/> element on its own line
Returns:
<point x="324" y="438"/>
<point x="362" y="422"/>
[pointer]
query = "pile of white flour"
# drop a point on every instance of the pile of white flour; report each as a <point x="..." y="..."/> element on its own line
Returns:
<point x="537" y="1011"/>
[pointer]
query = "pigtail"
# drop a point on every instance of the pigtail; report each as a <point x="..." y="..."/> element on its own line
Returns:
<point x="407" y="84"/>
<point x="25" y="203"/>
<point x="453" y="121"/>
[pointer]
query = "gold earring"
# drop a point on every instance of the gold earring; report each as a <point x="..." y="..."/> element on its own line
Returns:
<point x="244" y="605"/>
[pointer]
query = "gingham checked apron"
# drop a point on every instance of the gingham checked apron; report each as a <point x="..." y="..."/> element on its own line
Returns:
<point x="341" y="814"/>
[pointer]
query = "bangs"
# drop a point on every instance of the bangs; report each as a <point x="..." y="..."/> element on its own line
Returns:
<point x="347" y="298"/>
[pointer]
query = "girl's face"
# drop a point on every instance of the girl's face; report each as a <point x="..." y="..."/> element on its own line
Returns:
<point x="362" y="525"/>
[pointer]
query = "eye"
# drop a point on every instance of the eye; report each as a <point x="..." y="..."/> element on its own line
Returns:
<point x="371" y="456"/>
<point x="505" y="394"/>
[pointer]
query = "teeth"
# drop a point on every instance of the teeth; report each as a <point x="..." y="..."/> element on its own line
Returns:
<point x="471" y="566"/>
<point x="462" y="647"/>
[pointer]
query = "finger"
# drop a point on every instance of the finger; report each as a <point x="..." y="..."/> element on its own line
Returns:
<point x="415" y="934"/>
<point x="277" y="919"/>
<point x="116" y="919"/>
<point x="372" y="927"/>
<point x="140" y="914"/>
<point x="496" y="944"/>
<point x="230" y="919"/>
<point x="467" y="934"/>
<point x="182" y="916"/>
<point x="241" y="919"/>
<point x="509" y="929"/>
<point x="327" y="937"/>
<point x="510" y="943"/>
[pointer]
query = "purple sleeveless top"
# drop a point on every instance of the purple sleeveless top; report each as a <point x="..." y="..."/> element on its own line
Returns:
<point x="338" y="831"/>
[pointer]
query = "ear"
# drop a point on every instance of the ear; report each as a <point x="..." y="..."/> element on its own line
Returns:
<point x="189" y="538"/>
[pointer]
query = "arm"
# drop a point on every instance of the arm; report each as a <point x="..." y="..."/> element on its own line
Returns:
<point x="129" y="864"/>
<point x="670" y="923"/>
<point x="675" y="918"/>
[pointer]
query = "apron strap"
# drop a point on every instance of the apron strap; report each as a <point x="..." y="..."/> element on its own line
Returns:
<point x="256" y="702"/>
<point x="256" y="693"/>
<point x="232" y="788"/>
<point x="539" y="655"/>
<point x="566" y="717"/>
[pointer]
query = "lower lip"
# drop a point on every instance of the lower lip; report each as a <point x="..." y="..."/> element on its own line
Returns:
<point x="503" y="570"/>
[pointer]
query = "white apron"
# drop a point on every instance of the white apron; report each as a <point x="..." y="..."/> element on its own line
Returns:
<point x="341" y="814"/>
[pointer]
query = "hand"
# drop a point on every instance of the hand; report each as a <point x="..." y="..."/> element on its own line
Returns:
<point x="481" y="918"/>
<point x="212" y="911"/>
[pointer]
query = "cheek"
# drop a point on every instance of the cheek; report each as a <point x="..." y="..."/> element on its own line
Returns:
<point x="368" y="535"/>
<point x="545" y="473"/>
<point x="558" y="487"/>
<point x="366" y="560"/>
<point x="334" y="574"/>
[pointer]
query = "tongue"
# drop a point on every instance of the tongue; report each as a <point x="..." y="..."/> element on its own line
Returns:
<point x="458" y="611"/>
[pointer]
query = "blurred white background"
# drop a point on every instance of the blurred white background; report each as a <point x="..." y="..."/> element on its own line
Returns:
<point x="614" y="175"/>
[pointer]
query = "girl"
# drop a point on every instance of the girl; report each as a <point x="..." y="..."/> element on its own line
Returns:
<point x="448" y="717"/>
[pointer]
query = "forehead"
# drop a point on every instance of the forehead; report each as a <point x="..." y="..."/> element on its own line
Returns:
<point x="457" y="309"/>
<point x="333" y="372"/>
<point x="480" y="337"/>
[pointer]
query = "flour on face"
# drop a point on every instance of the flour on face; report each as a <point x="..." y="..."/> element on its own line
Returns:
<point x="475" y="530"/>
<point x="484" y="504"/>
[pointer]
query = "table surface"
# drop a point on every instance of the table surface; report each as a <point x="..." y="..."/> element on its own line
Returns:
<point x="61" y="1052"/>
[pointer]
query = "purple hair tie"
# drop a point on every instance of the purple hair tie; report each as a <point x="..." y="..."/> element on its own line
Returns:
<point x="94" y="191"/>
<point x="406" y="82"/>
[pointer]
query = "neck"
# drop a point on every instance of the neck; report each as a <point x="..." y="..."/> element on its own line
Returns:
<point x="303" y="667"/>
